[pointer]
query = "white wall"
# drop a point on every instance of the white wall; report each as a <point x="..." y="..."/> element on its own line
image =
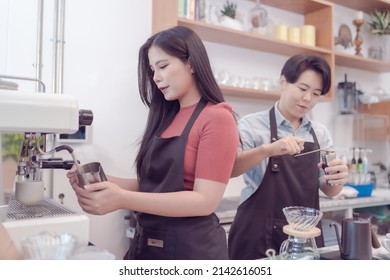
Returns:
<point x="100" y="69"/>
<point x="101" y="51"/>
<point x="102" y="41"/>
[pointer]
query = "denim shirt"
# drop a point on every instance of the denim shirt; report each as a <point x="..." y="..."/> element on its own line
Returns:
<point x="255" y="130"/>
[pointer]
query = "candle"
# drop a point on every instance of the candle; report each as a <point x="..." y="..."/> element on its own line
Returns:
<point x="294" y="34"/>
<point x="308" y="35"/>
<point x="359" y="15"/>
<point x="281" y="32"/>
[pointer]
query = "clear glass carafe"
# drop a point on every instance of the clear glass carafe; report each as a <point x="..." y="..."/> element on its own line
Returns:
<point x="301" y="231"/>
<point x="299" y="248"/>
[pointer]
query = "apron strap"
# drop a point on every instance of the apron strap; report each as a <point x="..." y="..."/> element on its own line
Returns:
<point x="202" y="103"/>
<point x="274" y="136"/>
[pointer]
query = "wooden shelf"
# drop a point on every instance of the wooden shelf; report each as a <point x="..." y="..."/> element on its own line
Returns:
<point x="378" y="113"/>
<point x="362" y="63"/>
<point x="226" y="36"/>
<point x="248" y="93"/>
<point x="367" y="6"/>
<point x="319" y="13"/>
<point x="297" y="6"/>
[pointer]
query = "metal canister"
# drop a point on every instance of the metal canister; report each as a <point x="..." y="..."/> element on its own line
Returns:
<point x="326" y="157"/>
<point x="90" y="173"/>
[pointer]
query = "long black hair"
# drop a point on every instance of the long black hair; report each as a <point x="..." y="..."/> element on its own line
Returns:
<point x="185" y="44"/>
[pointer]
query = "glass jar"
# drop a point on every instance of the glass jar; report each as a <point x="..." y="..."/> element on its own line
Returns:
<point x="299" y="248"/>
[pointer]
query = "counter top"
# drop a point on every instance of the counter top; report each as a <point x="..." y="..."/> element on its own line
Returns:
<point x="332" y="253"/>
<point x="381" y="196"/>
<point x="379" y="253"/>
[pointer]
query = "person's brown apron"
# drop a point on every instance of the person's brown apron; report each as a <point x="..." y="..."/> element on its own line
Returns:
<point x="288" y="181"/>
<point x="159" y="237"/>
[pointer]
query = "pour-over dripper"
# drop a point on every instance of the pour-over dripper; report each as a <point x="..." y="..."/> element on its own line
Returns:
<point x="301" y="232"/>
<point x="302" y="218"/>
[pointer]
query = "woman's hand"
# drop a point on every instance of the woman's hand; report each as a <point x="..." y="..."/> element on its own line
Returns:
<point x="72" y="176"/>
<point x="99" y="198"/>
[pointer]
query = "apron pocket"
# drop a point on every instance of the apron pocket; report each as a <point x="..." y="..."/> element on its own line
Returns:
<point x="156" y="245"/>
<point x="274" y="233"/>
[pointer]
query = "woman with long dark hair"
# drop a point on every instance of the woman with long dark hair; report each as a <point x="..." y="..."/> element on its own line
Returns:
<point x="185" y="158"/>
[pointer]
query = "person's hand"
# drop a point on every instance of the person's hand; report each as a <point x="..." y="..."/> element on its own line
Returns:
<point x="72" y="176"/>
<point x="286" y="145"/>
<point x="99" y="198"/>
<point x="336" y="173"/>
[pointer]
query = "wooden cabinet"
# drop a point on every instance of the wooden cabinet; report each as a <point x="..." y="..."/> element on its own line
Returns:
<point x="374" y="125"/>
<point x="319" y="13"/>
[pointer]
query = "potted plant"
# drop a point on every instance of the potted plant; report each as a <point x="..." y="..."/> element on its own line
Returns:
<point x="229" y="9"/>
<point x="228" y="16"/>
<point x="10" y="150"/>
<point x="379" y="25"/>
<point x="380" y="22"/>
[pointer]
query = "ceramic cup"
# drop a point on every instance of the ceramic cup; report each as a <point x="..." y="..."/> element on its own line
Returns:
<point x="386" y="242"/>
<point x="29" y="192"/>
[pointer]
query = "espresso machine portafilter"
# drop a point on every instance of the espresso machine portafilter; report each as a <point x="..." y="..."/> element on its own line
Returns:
<point x="39" y="116"/>
<point x="29" y="187"/>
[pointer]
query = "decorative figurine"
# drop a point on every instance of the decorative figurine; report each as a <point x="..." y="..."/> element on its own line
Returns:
<point x="345" y="37"/>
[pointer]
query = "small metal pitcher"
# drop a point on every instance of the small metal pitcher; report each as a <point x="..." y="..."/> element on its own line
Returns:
<point x="90" y="173"/>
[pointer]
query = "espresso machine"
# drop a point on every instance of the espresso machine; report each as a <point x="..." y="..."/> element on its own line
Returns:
<point x="38" y="116"/>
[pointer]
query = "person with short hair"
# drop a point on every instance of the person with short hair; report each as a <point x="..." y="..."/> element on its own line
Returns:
<point x="273" y="177"/>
